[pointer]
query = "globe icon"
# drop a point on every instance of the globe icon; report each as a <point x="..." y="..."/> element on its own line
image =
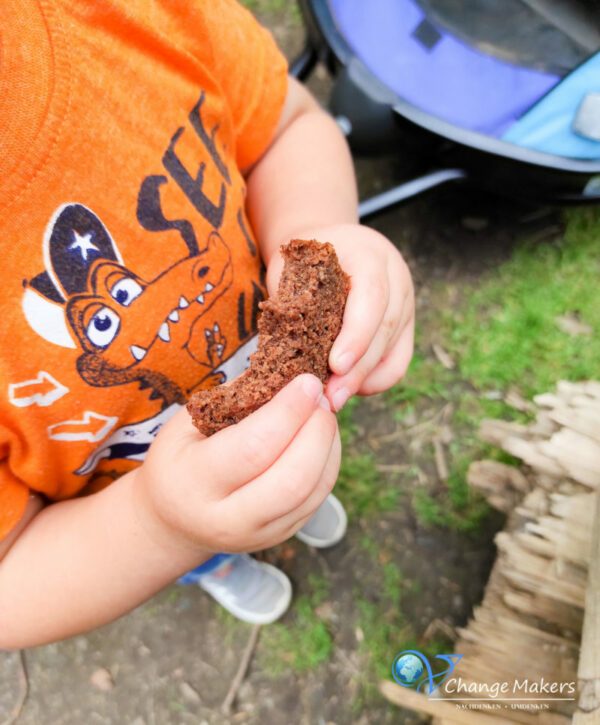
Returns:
<point x="408" y="669"/>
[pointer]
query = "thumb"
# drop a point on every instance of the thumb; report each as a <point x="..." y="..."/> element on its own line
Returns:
<point x="274" y="273"/>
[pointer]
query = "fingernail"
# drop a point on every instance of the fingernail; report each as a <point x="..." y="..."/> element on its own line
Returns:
<point x="324" y="403"/>
<point x="339" y="398"/>
<point x="312" y="387"/>
<point x="344" y="362"/>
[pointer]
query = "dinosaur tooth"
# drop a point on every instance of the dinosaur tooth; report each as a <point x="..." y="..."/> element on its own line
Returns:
<point x="174" y="316"/>
<point x="163" y="332"/>
<point x="200" y="299"/>
<point x="139" y="353"/>
<point x="183" y="302"/>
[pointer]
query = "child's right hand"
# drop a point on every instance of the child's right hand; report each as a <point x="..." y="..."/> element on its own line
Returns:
<point x="249" y="486"/>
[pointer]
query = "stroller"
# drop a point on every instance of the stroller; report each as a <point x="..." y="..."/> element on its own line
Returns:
<point x="502" y="93"/>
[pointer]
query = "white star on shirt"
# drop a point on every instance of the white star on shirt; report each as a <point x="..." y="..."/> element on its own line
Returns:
<point x="83" y="244"/>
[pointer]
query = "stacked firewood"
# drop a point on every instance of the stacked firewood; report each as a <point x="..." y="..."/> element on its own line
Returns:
<point x="542" y="593"/>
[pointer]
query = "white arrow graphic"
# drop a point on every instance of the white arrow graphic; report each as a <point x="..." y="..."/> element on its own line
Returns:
<point x="43" y="391"/>
<point x="91" y="427"/>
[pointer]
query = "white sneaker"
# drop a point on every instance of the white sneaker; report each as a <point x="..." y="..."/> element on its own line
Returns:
<point x="327" y="526"/>
<point x="251" y="590"/>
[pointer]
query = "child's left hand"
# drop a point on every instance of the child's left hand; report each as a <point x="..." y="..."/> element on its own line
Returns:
<point x="375" y="344"/>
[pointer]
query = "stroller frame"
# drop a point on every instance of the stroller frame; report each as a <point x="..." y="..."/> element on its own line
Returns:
<point x="376" y="120"/>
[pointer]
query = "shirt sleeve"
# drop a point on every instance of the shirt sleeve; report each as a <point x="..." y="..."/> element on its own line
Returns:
<point x="251" y="71"/>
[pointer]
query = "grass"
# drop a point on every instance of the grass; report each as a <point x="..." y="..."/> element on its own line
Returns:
<point x="300" y="644"/>
<point x="303" y="644"/>
<point x="507" y="333"/>
<point x="360" y="485"/>
<point x="386" y="632"/>
<point x="505" y="336"/>
<point x="457" y="508"/>
<point x="380" y="617"/>
<point x="426" y="378"/>
<point x="452" y="505"/>
<point x="269" y="8"/>
<point x="362" y="488"/>
<point x="384" y="637"/>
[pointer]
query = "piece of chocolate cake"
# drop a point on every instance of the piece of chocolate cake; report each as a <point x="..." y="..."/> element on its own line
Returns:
<point x="296" y="331"/>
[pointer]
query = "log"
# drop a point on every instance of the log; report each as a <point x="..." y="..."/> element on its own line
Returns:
<point x="403" y="697"/>
<point x="543" y="590"/>
<point x="446" y="713"/>
<point x="588" y="673"/>
<point x="502" y="485"/>
<point x="583" y="421"/>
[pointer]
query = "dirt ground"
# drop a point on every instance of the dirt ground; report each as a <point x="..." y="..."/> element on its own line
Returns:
<point x="171" y="661"/>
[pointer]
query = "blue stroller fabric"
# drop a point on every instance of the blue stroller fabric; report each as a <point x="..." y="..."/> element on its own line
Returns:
<point x="550" y="125"/>
<point x="435" y="71"/>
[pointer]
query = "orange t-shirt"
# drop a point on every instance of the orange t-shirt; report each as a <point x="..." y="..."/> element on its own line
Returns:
<point x="130" y="276"/>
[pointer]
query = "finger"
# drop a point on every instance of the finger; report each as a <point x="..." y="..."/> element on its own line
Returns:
<point x="399" y="314"/>
<point x="289" y="482"/>
<point x="286" y="526"/>
<point x="365" y="309"/>
<point x="394" y="365"/>
<point x="274" y="270"/>
<point x="260" y="439"/>
<point x="239" y="453"/>
<point x="340" y="388"/>
<point x="294" y="520"/>
<point x="277" y="535"/>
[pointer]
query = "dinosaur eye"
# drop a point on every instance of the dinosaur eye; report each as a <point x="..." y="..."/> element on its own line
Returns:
<point x="125" y="291"/>
<point x="203" y="271"/>
<point x="103" y="327"/>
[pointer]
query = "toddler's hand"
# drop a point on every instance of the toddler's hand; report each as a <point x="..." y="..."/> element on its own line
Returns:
<point x="375" y="344"/>
<point x="249" y="486"/>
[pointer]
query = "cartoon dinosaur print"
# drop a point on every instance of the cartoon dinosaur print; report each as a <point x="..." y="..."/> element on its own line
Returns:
<point x="132" y="440"/>
<point x="216" y="343"/>
<point x="129" y="329"/>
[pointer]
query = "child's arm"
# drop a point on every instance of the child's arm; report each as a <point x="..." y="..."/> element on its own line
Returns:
<point x="304" y="187"/>
<point x="81" y="563"/>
